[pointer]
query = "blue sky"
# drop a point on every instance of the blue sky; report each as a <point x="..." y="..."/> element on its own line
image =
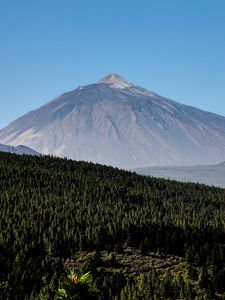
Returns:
<point x="173" y="47"/>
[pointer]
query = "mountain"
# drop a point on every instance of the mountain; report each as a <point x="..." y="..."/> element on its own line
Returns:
<point x="18" y="150"/>
<point x="118" y="123"/>
<point x="210" y="175"/>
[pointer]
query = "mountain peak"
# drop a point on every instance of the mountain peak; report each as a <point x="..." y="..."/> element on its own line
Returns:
<point x="116" y="81"/>
<point x="117" y="123"/>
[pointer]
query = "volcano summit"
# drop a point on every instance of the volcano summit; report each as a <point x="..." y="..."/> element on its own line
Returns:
<point x="118" y="123"/>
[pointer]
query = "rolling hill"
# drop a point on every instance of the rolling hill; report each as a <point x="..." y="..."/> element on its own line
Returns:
<point x="18" y="150"/>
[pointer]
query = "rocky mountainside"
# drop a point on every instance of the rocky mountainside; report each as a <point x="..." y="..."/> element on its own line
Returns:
<point x="17" y="150"/>
<point x="118" y="123"/>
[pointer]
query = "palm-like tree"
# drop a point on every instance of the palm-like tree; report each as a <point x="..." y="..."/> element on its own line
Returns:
<point x="77" y="287"/>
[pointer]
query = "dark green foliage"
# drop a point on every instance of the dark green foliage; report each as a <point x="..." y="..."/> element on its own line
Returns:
<point x="51" y="208"/>
<point x="203" y="278"/>
<point x="80" y="289"/>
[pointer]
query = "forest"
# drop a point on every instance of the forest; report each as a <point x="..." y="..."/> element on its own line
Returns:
<point x="140" y="237"/>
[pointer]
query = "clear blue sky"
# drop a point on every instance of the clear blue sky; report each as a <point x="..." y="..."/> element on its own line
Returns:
<point x="173" y="47"/>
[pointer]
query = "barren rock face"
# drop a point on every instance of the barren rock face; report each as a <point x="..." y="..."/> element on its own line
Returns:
<point x="117" y="123"/>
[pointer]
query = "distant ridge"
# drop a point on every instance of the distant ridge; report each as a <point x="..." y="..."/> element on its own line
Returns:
<point x="118" y="123"/>
<point x="209" y="175"/>
<point x="18" y="150"/>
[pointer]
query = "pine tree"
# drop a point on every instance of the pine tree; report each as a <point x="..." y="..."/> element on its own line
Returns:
<point x="203" y="278"/>
<point x="74" y="286"/>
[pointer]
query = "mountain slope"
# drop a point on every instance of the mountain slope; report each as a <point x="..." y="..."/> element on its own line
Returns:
<point x="18" y="150"/>
<point x="210" y="175"/>
<point x="57" y="211"/>
<point x="117" y="123"/>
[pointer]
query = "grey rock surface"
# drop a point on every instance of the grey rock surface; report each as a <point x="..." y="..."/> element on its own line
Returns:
<point x="115" y="122"/>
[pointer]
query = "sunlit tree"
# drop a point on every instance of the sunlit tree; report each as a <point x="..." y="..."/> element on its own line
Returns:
<point x="77" y="287"/>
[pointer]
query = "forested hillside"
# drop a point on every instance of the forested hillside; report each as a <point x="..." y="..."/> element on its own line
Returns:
<point x="141" y="237"/>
